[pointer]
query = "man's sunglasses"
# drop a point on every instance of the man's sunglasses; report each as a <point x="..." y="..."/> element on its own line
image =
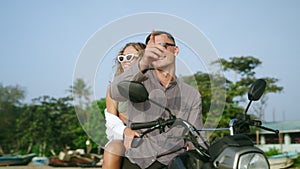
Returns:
<point x="165" y="44"/>
<point x="128" y="57"/>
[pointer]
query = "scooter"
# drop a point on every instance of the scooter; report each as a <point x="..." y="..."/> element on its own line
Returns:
<point x="235" y="151"/>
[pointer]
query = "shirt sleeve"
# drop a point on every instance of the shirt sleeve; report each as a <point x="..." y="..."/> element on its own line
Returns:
<point x="132" y="74"/>
<point x="114" y="126"/>
<point x="195" y="117"/>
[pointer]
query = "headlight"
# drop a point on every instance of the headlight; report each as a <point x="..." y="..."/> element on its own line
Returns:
<point x="253" y="161"/>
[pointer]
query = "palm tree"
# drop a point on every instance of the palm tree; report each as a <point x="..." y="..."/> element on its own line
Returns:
<point x="81" y="92"/>
<point x="81" y="95"/>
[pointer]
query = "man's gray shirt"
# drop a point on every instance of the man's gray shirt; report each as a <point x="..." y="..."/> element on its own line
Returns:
<point x="184" y="102"/>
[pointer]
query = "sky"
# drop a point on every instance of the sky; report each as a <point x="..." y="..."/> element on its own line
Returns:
<point x="41" y="40"/>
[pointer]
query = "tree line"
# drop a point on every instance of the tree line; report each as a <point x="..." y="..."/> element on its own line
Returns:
<point x="49" y="125"/>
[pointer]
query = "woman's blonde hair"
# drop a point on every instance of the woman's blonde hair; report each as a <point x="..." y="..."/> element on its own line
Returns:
<point x="138" y="46"/>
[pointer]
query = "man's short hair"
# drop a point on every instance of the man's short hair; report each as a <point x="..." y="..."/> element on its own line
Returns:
<point x="155" y="33"/>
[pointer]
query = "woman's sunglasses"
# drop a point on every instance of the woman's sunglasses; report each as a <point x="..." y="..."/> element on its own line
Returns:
<point x="128" y="57"/>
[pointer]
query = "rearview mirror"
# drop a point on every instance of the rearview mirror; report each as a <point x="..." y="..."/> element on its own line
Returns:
<point x="133" y="91"/>
<point x="256" y="90"/>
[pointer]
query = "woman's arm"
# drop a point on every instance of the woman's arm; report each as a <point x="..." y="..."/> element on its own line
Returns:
<point x="114" y="126"/>
<point x="111" y="105"/>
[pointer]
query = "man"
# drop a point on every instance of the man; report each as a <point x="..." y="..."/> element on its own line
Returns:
<point x="156" y="69"/>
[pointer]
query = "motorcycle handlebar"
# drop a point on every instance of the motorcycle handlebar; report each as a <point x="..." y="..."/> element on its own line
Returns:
<point x="137" y="126"/>
<point x="159" y="123"/>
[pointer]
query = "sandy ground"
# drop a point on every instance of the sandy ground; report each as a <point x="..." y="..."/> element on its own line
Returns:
<point x="31" y="166"/>
<point x="40" y="167"/>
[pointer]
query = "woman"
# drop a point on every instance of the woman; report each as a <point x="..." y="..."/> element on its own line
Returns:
<point x="115" y="113"/>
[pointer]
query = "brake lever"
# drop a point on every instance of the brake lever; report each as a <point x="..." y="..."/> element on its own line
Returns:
<point x="258" y="123"/>
<point x="137" y="141"/>
<point x="268" y="129"/>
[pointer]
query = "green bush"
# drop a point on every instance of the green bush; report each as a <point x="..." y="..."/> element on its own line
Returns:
<point x="272" y="151"/>
<point x="297" y="162"/>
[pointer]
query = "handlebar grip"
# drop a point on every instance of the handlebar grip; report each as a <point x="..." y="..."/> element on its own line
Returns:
<point x="137" y="126"/>
<point x="169" y="122"/>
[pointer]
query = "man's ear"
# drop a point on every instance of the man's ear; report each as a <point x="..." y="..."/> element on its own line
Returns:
<point x="176" y="50"/>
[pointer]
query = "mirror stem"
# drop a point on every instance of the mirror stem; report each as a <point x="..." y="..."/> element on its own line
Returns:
<point x="248" y="107"/>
